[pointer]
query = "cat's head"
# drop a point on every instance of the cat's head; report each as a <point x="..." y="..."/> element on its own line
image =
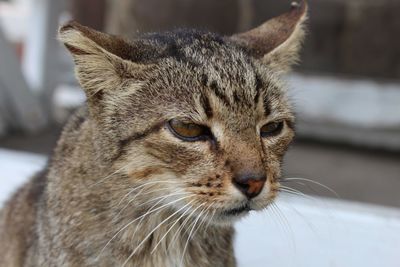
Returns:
<point x="195" y="120"/>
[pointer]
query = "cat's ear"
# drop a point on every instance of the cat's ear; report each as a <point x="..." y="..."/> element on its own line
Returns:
<point x="277" y="42"/>
<point x="101" y="60"/>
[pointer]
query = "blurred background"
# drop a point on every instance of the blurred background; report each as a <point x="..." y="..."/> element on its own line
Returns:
<point x="346" y="91"/>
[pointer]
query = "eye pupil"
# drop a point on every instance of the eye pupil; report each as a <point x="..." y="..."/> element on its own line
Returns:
<point x="271" y="129"/>
<point x="187" y="131"/>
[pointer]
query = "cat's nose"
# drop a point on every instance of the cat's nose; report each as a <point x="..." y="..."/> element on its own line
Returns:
<point x="250" y="185"/>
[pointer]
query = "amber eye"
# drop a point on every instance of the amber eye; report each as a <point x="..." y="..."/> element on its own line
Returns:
<point x="188" y="131"/>
<point x="271" y="129"/>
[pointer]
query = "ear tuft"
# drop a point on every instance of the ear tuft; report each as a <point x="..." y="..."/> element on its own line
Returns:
<point x="70" y="25"/>
<point x="78" y="39"/>
<point x="277" y="42"/>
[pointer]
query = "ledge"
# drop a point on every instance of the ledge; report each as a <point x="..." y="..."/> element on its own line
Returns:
<point x="355" y="111"/>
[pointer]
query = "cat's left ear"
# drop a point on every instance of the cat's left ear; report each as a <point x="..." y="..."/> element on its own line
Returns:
<point x="277" y="42"/>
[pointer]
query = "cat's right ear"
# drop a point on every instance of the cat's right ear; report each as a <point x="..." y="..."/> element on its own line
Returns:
<point x="101" y="60"/>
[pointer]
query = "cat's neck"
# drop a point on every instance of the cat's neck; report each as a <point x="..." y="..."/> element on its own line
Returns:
<point x="167" y="239"/>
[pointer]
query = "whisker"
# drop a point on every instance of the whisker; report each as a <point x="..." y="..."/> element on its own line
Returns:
<point x="318" y="201"/>
<point x="110" y="175"/>
<point x="177" y="220"/>
<point x="150" y="211"/>
<point x="210" y="220"/>
<point x="136" y="219"/>
<point x="312" y="181"/>
<point x="286" y="230"/>
<point x="282" y="215"/>
<point x="299" y="193"/>
<point x="149" y="234"/>
<point x="205" y="210"/>
<point x="182" y="226"/>
<point x="190" y="234"/>
<point x="151" y="200"/>
<point x="305" y="185"/>
<point x="204" y="217"/>
<point x="309" y="224"/>
<point x="143" y="185"/>
<point x="295" y="192"/>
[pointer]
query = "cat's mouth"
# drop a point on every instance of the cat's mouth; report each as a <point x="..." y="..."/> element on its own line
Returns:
<point x="237" y="211"/>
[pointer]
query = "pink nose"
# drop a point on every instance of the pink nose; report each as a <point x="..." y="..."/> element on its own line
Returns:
<point x="250" y="185"/>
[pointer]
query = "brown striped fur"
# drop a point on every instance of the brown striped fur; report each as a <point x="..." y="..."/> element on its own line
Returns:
<point x="117" y="160"/>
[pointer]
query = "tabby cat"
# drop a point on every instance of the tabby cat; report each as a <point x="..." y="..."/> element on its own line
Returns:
<point x="182" y="134"/>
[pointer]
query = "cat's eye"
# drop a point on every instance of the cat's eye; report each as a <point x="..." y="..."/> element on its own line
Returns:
<point x="271" y="129"/>
<point x="188" y="131"/>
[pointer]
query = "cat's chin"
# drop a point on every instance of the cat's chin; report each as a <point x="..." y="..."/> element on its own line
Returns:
<point x="229" y="216"/>
<point x="237" y="212"/>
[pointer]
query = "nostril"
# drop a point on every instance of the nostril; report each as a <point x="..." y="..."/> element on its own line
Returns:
<point x="241" y="186"/>
<point x="249" y="186"/>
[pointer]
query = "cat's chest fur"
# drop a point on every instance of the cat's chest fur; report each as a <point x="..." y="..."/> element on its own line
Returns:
<point x="180" y="250"/>
<point x="151" y="243"/>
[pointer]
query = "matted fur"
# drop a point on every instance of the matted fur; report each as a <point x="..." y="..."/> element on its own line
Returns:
<point x="121" y="189"/>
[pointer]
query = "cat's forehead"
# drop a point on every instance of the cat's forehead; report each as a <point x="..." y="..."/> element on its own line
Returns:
<point x="202" y="59"/>
<point x="201" y="73"/>
<point x="190" y="46"/>
<point x="232" y="93"/>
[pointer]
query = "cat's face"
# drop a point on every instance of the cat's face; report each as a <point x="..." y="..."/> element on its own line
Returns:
<point x="198" y="122"/>
<point x="215" y="131"/>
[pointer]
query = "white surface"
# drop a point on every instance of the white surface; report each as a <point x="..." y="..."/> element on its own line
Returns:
<point x="356" y="111"/>
<point x="353" y="102"/>
<point x="313" y="232"/>
<point x="320" y="233"/>
<point x="16" y="168"/>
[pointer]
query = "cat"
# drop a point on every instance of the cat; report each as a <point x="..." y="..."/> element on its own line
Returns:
<point x="182" y="134"/>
